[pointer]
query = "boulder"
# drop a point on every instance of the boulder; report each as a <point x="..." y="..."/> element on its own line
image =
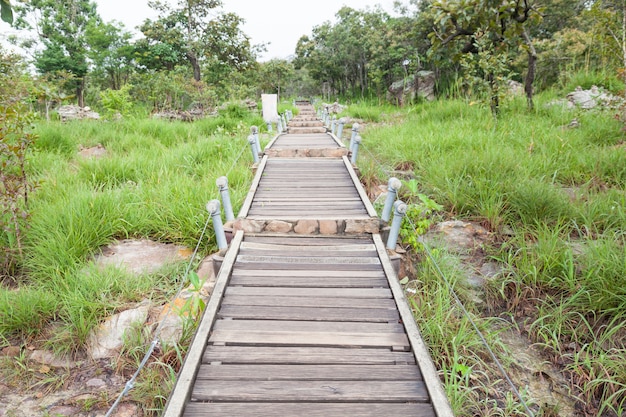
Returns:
<point x="72" y="112"/>
<point x="422" y="85"/>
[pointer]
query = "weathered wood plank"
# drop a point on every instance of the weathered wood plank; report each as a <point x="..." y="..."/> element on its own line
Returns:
<point x="307" y="326"/>
<point x="307" y="274"/>
<point x="293" y="355"/>
<point x="309" y="282"/>
<point x="253" y="188"/>
<point x="269" y="301"/>
<point x="188" y="372"/>
<point x="291" y="252"/>
<point x="310" y="240"/>
<point x="311" y="292"/>
<point x="328" y="391"/>
<point x="434" y="386"/>
<point x="308" y="266"/>
<point x="286" y="338"/>
<point x="309" y="313"/>
<point x="301" y="409"/>
<point x="294" y="247"/>
<point x="362" y="256"/>
<point x="309" y="372"/>
<point x="341" y="260"/>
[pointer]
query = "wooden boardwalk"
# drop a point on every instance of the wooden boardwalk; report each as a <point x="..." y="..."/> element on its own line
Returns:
<point x="307" y="325"/>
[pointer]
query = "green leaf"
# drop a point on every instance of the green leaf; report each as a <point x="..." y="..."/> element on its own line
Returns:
<point x="404" y="281"/>
<point x="5" y="11"/>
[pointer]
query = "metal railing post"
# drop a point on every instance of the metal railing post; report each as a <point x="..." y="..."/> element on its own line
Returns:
<point x="355" y="148"/>
<point x="284" y="120"/>
<point x="254" y="131"/>
<point x="279" y="126"/>
<point x="222" y="185"/>
<point x="355" y="131"/>
<point x="253" y="146"/>
<point x="213" y="207"/>
<point x="392" y="192"/>
<point x="333" y="125"/>
<point x="398" y="214"/>
<point x="269" y="127"/>
<point x="341" y="123"/>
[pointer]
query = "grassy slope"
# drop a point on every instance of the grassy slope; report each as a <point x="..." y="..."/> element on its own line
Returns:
<point x="561" y="192"/>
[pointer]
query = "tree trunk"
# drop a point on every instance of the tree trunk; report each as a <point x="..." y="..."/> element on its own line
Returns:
<point x="495" y="97"/>
<point x="532" y="69"/>
<point x="193" y="60"/>
<point x="80" y="88"/>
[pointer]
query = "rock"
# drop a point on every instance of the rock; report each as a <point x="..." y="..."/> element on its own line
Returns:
<point x="458" y="236"/>
<point x="97" y="151"/>
<point x="328" y="227"/>
<point x="63" y="410"/>
<point x="334" y="108"/>
<point x="592" y="98"/>
<point x="306" y="227"/>
<point x="361" y="226"/>
<point x="249" y="226"/>
<point x="141" y="256"/>
<point x="95" y="383"/>
<point x="11" y="351"/>
<point x="277" y="226"/>
<point x="404" y="91"/>
<point x="515" y="88"/>
<point x="45" y="357"/>
<point x="72" y="112"/>
<point x="106" y="340"/>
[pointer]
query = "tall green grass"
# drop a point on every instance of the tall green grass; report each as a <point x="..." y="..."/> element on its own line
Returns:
<point x="153" y="183"/>
<point x="561" y="192"/>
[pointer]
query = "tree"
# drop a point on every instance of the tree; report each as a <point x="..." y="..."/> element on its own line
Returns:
<point x="6" y="13"/>
<point x="609" y="27"/>
<point x="276" y="75"/>
<point x="110" y="52"/>
<point x="61" y="26"/>
<point x="15" y="141"/>
<point x="491" y="31"/>
<point x="194" y="31"/>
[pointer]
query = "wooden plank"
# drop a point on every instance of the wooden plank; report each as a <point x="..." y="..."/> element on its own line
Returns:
<point x="328" y="391"/>
<point x="310" y="240"/>
<point x="294" y="251"/>
<point x="308" y="282"/>
<point x="294" y="355"/>
<point x="286" y="338"/>
<point x="311" y="292"/>
<point x="341" y="260"/>
<point x="308" y="409"/>
<point x="357" y="183"/>
<point x="255" y="184"/>
<point x="307" y="326"/>
<point x="309" y="372"/>
<point x="422" y="357"/>
<point x="308" y="274"/>
<point x="369" y="303"/>
<point x="308" y="266"/>
<point x="309" y="313"/>
<point x="292" y="247"/>
<point x="271" y="143"/>
<point x="187" y="374"/>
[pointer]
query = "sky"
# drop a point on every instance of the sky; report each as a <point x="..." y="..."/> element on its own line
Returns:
<point x="277" y="22"/>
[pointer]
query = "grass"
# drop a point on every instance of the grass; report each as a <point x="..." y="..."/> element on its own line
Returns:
<point x="153" y="183"/>
<point x="561" y="194"/>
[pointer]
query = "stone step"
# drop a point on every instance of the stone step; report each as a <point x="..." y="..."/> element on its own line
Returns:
<point x="311" y="123"/>
<point x="306" y="130"/>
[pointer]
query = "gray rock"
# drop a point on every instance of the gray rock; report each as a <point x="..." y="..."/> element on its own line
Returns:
<point x="106" y="340"/>
<point x="141" y="256"/>
<point x="404" y="91"/>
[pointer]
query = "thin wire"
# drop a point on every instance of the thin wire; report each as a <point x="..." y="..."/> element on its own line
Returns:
<point x="458" y="301"/>
<point x="472" y="322"/>
<point x="131" y="382"/>
<point x="155" y="341"/>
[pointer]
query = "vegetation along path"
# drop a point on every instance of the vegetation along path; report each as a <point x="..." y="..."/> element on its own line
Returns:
<point x="307" y="316"/>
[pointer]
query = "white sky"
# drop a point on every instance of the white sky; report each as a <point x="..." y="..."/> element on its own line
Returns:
<point x="279" y="22"/>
